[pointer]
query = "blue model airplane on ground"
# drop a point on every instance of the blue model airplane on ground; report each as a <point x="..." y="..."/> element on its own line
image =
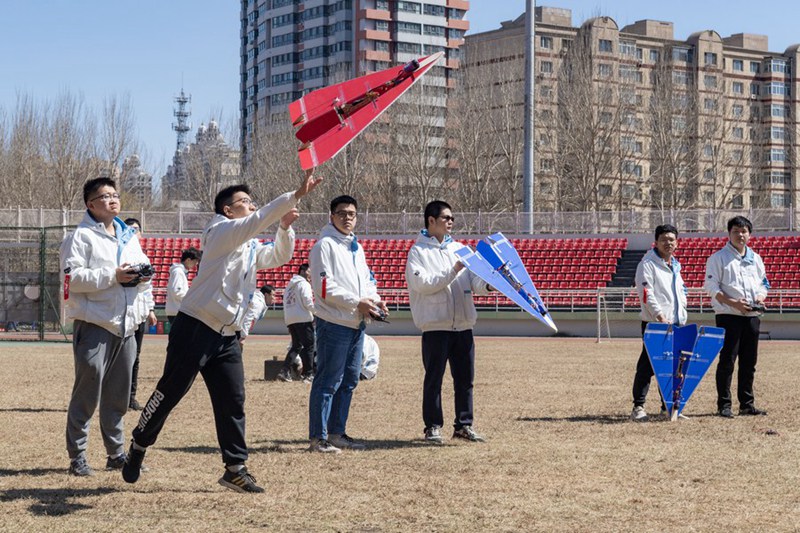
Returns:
<point x="681" y="356"/>
<point x="497" y="262"/>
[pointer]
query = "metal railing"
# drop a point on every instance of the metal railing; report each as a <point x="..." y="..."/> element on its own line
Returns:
<point x="480" y="223"/>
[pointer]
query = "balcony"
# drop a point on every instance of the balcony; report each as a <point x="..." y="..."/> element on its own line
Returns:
<point x="376" y="35"/>
<point x="458" y="4"/>
<point x="376" y="14"/>
<point x="452" y="63"/>
<point x="375" y="55"/>
<point x="455" y="24"/>
<point x="454" y="43"/>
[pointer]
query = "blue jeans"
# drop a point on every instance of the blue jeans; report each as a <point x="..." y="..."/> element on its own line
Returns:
<point x="339" y="352"/>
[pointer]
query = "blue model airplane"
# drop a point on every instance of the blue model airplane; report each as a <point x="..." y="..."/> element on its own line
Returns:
<point x="497" y="263"/>
<point x="681" y="356"/>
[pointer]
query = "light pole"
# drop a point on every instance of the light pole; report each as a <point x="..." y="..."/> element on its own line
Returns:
<point x="528" y="171"/>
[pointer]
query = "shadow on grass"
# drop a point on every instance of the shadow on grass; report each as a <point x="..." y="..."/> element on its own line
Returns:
<point x="31" y="410"/>
<point x="31" y="472"/>
<point x="53" y="502"/>
<point x="596" y="419"/>
<point x="299" y="445"/>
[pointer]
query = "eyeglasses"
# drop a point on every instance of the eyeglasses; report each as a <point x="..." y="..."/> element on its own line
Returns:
<point x="448" y="218"/>
<point x="107" y="197"/>
<point x="245" y="201"/>
<point x="346" y="215"/>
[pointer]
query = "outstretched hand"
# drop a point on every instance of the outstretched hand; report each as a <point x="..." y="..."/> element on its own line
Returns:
<point x="288" y="218"/>
<point x="309" y="184"/>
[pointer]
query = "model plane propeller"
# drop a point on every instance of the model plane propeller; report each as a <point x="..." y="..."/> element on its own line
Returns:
<point x="328" y="119"/>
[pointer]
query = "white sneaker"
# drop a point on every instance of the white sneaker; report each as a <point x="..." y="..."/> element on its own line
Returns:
<point x="344" y="442"/>
<point x="322" y="446"/>
<point x="639" y="414"/>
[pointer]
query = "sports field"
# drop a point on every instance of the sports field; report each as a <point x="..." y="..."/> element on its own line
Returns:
<point x="560" y="454"/>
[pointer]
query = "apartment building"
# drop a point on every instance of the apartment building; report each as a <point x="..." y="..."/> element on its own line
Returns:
<point x="709" y="121"/>
<point x="291" y="47"/>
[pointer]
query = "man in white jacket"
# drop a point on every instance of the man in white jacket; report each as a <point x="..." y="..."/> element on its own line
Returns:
<point x="262" y="299"/>
<point x="104" y="296"/>
<point x="662" y="294"/>
<point x="346" y="297"/>
<point x="178" y="284"/>
<point x="736" y="281"/>
<point x="204" y="336"/>
<point x="440" y="292"/>
<point x="298" y="314"/>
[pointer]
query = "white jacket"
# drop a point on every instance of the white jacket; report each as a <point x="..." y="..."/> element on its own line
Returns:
<point x="226" y="279"/>
<point x="298" y="301"/>
<point x="255" y="312"/>
<point x="737" y="277"/>
<point x="340" y="278"/>
<point x="661" y="289"/>
<point x="90" y="257"/>
<point x="441" y="299"/>
<point x="177" y="287"/>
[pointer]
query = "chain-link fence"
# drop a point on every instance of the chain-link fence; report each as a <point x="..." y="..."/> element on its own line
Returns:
<point x="30" y="304"/>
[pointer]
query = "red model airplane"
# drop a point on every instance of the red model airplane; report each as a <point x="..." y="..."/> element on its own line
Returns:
<point x="328" y="119"/>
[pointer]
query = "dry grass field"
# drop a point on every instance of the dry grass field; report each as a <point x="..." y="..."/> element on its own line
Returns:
<point x="561" y="454"/>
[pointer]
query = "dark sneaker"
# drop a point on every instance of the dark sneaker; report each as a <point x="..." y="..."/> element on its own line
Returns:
<point x="79" y="467"/>
<point x="116" y="463"/>
<point x="240" y="481"/>
<point x="434" y="434"/>
<point x="322" y="446"/>
<point x="345" y="442"/>
<point x="285" y="375"/>
<point x="752" y="410"/>
<point x="133" y="465"/>
<point x="308" y="378"/>
<point x="134" y="405"/>
<point x="725" y="412"/>
<point x="467" y="433"/>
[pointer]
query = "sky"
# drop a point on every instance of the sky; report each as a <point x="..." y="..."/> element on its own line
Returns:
<point x="148" y="49"/>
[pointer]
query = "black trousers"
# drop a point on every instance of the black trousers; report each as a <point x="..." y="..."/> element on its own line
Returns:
<point x="741" y="338"/>
<point x="644" y="373"/>
<point x="302" y="344"/>
<point x="439" y="347"/>
<point x="139" y="334"/>
<point x="194" y="347"/>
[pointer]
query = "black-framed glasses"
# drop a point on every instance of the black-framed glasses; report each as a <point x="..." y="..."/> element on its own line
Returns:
<point x="107" y="197"/>
<point x="245" y="201"/>
<point x="346" y="215"/>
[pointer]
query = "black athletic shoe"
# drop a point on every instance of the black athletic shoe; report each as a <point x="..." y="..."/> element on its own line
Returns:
<point x="79" y="467"/>
<point x="240" y="481"/>
<point x="134" y="405"/>
<point x="467" y="433"/>
<point x="726" y="412"/>
<point x="133" y="465"/>
<point x="752" y="410"/>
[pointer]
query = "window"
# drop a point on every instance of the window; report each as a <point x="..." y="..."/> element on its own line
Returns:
<point x="604" y="191"/>
<point x="708" y="198"/>
<point x="776" y="155"/>
<point x="755" y="67"/>
<point x="630" y="74"/>
<point x="409" y="7"/>
<point x="436" y="31"/>
<point x="566" y="44"/>
<point x="709" y="80"/>
<point x="410" y="48"/>
<point x="631" y="167"/>
<point x="737" y="87"/>
<point x="708" y="150"/>
<point x="546" y="42"/>
<point x="737" y="133"/>
<point x="738" y="65"/>
<point x="382" y="25"/>
<point x="627" y="48"/>
<point x="708" y="175"/>
<point x="628" y="191"/>
<point x="546" y="67"/>
<point x="680" y="77"/>
<point x="630" y="144"/>
<point x="737" y="202"/>
<point x="546" y="165"/>
<point x="381" y="46"/>
<point x="605" y="117"/>
<point x="409" y="27"/>
<point x="655" y="55"/>
<point x="709" y="104"/>
<point x="605" y="45"/>
<point x="777" y="133"/>
<point x="754" y="89"/>
<point x="779" y="199"/>
<point x="680" y="53"/>
<point x="777" y="65"/>
<point x="777" y="177"/>
<point x="604" y="70"/>
<point x="679" y="123"/>
<point x="710" y="58"/>
<point x="737" y="156"/>
<point x="545" y="92"/>
<point x="779" y="110"/>
<point x="778" y="88"/>
<point x="737" y="110"/>
<point x="436" y="11"/>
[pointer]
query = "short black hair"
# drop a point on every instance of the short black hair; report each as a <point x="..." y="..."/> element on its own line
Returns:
<point x="434" y="209"/>
<point x="224" y="197"/>
<point x="130" y="221"/>
<point x="742" y="222"/>
<point x="343" y="199"/>
<point x="91" y="187"/>
<point x="267" y="289"/>
<point x="302" y="269"/>
<point x="666" y="228"/>
<point x="191" y="253"/>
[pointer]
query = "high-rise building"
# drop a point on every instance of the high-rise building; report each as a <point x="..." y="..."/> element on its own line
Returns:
<point x="708" y="121"/>
<point x="136" y="181"/>
<point x="291" y="47"/>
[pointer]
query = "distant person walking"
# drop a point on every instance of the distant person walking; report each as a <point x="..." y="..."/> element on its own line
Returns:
<point x="298" y="314"/>
<point x="178" y="284"/>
